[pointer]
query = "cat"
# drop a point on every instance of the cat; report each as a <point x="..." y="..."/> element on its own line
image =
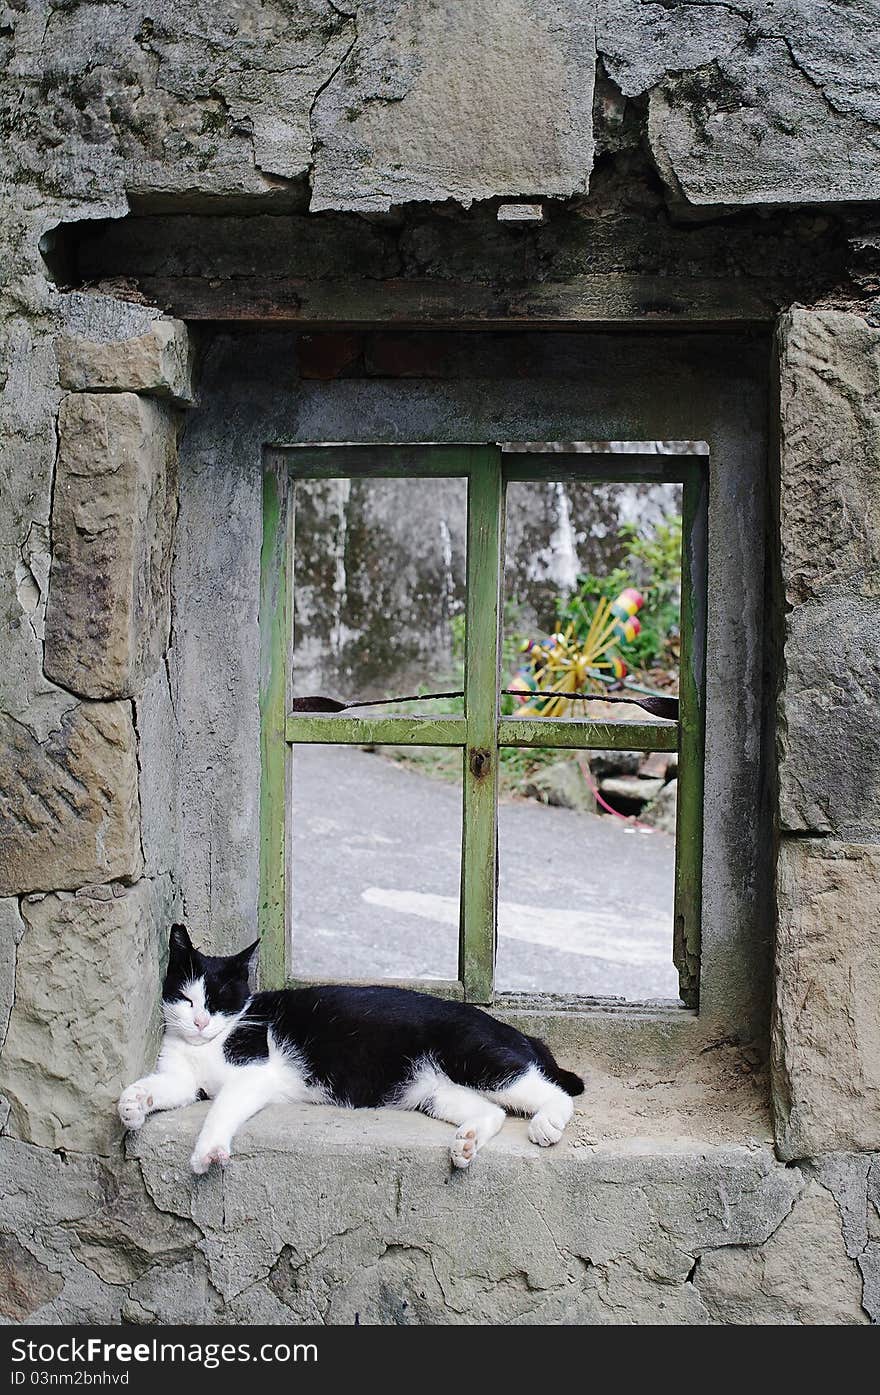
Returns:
<point x="334" y="1044"/>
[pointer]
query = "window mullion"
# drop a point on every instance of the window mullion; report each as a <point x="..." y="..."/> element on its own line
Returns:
<point x="275" y="634"/>
<point x="692" y="720"/>
<point x="480" y="812"/>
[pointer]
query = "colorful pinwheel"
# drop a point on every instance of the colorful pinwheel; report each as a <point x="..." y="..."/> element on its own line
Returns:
<point x="568" y="662"/>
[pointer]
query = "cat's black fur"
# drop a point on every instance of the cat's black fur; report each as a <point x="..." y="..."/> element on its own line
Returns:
<point x="360" y="1044"/>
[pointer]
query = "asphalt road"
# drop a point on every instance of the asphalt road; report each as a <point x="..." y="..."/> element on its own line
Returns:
<point x="585" y="902"/>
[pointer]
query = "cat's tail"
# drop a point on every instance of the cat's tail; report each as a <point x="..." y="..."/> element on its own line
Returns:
<point x="566" y="1079"/>
<point x="569" y="1082"/>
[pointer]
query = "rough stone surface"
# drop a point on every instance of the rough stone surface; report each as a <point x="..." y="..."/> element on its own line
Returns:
<point x="830" y="556"/>
<point x="390" y="100"/>
<point x="70" y="812"/>
<point x="828" y="738"/>
<point x="157" y="363"/>
<point x="25" y="1284"/>
<point x="159" y="775"/>
<point x="457" y="101"/>
<point x="46" y="1198"/>
<point x="661" y="812"/>
<point x="829" y="383"/>
<point x="11" y="931"/>
<point x="115" y="501"/>
<point x="27" y="457"/>
<point x="736" y="95"/>
<point x="340" y="1222"/>
<point x="826" y="1031"/>
<point x="797" y="1277"/>
<point x="562" y="784"/>
<point x="849" y="1177"/>
<point x="173" y="101"/>
<point x="630" y="787"/>
<point x="103" y="319"/>
<point x="128" y="1236"/>
<point x="69" y="1050"/>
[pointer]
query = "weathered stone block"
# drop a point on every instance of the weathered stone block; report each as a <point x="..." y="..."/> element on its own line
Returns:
<point x="28" y="450"/>
<point x="801" y="1276"/>
<point x="25" y="1284"/>
<point x="568" y="1235"/>
<point x="826" y="1028"/>
<point x="829" y="386"/>
<point x="129" y="1235"/>
<point x="108" y="613"/>
<point x="750" y="119"/>
<point x="43" y="1196"/>
<point x="70" y="803"/>
<point x="562" y="784"/>
<point x="662" y="812"/>
<point x="828" y="735"/>
<point x="829" y="744"/>
<point x="157" y="363"/>
<point x="86" y="1016"/>
<point x="457" y="102"/>
<point x="200" y="104"/>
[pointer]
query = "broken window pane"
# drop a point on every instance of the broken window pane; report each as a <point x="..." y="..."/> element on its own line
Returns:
<point x="379" y="589"/>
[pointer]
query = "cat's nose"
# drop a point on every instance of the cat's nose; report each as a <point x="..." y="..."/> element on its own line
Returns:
<point x="201" y="1019"/>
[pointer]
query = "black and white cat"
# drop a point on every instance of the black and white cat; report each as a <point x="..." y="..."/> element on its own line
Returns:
<point x="358" y="1047"/>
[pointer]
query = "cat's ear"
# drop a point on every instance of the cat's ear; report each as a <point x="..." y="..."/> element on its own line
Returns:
<point x="243" y="958"/>
<point x="179" y="941"/>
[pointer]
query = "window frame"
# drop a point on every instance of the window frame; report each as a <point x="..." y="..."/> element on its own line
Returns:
<point x="482" y="731"/>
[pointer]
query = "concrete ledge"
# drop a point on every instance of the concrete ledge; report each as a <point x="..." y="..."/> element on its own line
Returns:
<point x="328" y="1215"/>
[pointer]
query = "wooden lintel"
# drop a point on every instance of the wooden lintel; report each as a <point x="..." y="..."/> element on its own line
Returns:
<point x="593" y="300"/>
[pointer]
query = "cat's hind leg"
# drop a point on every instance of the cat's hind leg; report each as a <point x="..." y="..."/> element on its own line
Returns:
<point x="533" y="1094"/>
<point x="477" y="1118"/>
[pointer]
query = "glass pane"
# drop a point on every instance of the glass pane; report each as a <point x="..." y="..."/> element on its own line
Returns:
<point x="376" y="861"/>
<point x="592" y="594"/>
<point x="379" y="590"/>
<point x="587" y="873"/>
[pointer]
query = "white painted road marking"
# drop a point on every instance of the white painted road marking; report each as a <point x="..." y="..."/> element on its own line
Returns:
<point x="595" y="933"/>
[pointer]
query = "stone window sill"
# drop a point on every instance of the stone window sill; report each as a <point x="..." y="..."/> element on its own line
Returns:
<point x="713" y="1098"/>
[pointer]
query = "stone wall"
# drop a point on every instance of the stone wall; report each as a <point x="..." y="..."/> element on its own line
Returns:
<point x="827" y="1037"/>
<point x="89" y="936"/>
<point x="698" y="162"/>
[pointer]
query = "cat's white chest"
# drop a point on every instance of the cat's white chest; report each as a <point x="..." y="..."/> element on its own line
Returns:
<point x="206" y="1063"/>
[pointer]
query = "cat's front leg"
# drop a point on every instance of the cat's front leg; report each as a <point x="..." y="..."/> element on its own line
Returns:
<point x="249" y="1090"/>
<point x="161" y="1090"/>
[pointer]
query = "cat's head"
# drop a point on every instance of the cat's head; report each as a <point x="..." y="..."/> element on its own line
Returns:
<point x="202" y="992"/>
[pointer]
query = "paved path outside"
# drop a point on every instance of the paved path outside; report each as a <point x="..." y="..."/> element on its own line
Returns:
<point x="585" y="902"/>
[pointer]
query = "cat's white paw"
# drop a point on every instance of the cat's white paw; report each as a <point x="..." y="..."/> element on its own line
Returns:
<point x="464" y="1146"/>
<point x="203" y="1157"/>
<point x="134" y="1105"/>
<point x="545" y="1128"/>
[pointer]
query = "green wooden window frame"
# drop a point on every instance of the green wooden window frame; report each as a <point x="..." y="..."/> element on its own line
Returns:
<point x="482" y="730"/>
